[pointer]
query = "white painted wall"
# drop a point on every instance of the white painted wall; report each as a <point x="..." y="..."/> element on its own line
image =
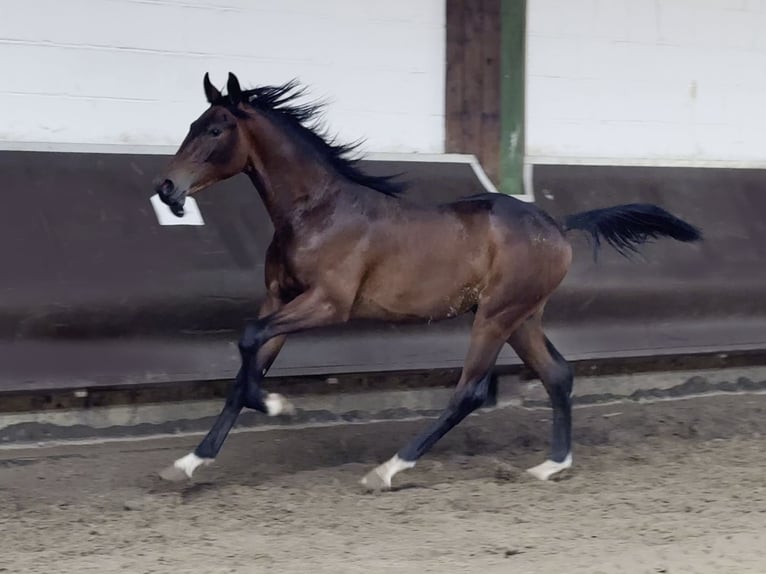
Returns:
<point x="130" y="71"/>
<point x="646" y="81"/>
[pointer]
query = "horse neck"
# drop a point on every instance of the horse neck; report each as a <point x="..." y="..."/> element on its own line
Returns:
<point x="289" y="179"/>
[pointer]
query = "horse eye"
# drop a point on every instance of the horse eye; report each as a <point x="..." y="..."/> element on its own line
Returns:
<point x="215" y="132"/>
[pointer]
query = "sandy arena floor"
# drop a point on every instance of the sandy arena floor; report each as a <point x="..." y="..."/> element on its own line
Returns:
<point x="667" y="487"/>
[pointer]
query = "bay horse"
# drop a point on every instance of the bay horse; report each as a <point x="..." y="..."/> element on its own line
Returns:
<point x="348" y="245"/>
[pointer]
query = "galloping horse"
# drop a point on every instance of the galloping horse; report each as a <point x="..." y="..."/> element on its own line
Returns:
<point x="348" y="245"/>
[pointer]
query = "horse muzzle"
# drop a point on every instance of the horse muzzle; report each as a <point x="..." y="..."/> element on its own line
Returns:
<point x="171" y="196"/>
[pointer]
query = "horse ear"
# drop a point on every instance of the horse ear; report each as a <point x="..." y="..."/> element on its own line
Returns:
<point x="235" y="92"/>
<point x="211" y="92"/>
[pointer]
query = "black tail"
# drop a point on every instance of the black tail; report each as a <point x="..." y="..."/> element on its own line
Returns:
<point x="625" y="227"/>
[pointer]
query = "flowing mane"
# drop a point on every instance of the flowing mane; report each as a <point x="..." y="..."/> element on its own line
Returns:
<point x="280" y="104"/>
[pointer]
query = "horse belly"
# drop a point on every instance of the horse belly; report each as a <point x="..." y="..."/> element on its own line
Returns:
<point x="405" y="294"/>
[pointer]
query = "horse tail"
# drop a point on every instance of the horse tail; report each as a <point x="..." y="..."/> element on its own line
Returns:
<point x="625" y="227"/>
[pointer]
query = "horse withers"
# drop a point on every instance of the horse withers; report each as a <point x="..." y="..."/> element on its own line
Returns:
<point x="348" y="245"/>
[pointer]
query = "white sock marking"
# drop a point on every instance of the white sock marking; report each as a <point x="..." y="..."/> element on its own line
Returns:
<point x="276" y="404"/>
<point x="189" y="463"/>
<point x="394" y="466"/>
<point x="381" y="476"/>
<point x="547" y="469"/>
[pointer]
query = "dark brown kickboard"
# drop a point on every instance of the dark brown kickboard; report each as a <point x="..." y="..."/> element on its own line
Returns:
<point x="96" y="292"/>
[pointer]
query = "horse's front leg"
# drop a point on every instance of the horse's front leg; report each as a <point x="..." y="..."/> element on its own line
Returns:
<point x="259" y="345"/>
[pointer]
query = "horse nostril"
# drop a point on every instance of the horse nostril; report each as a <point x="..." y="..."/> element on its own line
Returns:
<point x="165" y="187"/>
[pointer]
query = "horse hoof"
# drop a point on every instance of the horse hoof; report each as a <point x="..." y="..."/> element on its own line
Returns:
<point x="550" y="468"/>
<point x="183" y="468"/>
<point x="276" y="405"/>
<point x="375" y="482"/>
<point x="173" y="474"/>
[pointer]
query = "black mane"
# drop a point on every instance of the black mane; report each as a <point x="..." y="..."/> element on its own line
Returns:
<point x="279" y="103"/>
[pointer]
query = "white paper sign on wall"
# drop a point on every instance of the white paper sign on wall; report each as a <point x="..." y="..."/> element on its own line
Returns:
<point x="192" y="215"/>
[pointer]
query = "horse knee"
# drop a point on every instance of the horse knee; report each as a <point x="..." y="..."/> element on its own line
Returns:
<point x="251" y="339"/>
<point x="471" y="396"/>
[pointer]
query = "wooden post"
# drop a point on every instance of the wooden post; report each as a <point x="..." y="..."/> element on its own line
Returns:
<point x="473" y="81"/>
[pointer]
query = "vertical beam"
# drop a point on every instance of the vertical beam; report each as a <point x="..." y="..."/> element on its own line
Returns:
<point x="473" y="75"/>
<point x="489" y="151"/>
<point x="512" y="60"/>
<point x="455" y="72"/>
<point x="473" y="81"/>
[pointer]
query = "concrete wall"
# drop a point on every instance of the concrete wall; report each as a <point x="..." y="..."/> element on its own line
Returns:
<point x="646" y="81"/>
<point x="130" y="71"/>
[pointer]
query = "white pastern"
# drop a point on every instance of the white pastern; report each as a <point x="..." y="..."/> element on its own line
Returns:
<point x="380" y="477"/>
<point x="550" y="468"/>
<point x="191" y="462"/>
<point x="184" y="467"/>
<point x="276" y="405"/>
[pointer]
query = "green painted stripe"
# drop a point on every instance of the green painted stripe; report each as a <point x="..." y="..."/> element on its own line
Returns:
<point x="512" y="72"/>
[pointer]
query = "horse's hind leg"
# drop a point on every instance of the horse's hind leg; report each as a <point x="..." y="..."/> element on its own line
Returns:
<point x="487" y="338"/>
<point x="537" y="352"/>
